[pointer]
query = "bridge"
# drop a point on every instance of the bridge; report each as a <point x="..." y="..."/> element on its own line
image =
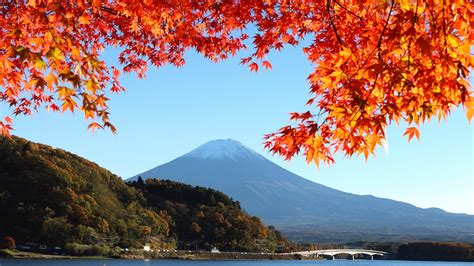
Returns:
<point x="330" y="253"/>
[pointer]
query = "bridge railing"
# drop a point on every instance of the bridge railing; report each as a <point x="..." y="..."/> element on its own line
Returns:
<point x="342" y="251"/>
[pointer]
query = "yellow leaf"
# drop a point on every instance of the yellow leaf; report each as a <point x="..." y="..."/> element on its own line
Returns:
<point x="338" y="112"/>
<point x="64" y="92"/>
<point x="91" y="86"/>
<point x="51" y="80"/>
<point x="55" y="53"/>
<point x="69" y="104"/>
<point x="83" y="20"/>
<point x="452" y="40"/>
<point x="405" y="5"/>
<point x="362" y="74"/>
<point x="39" y="63"/>
<point x="345" y="53"/>
<point x="338" y="74"/>
<point x="327" y="82"/>
<point x="465" y="48"/>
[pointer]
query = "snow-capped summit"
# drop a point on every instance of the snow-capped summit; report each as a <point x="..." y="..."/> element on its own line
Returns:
<point x="223" y="149"/>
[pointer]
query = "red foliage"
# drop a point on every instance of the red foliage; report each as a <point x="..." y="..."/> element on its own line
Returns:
<point x="376" y="62"/>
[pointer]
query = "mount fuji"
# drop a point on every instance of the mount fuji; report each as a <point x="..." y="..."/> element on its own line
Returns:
<point x="305" y="210"/>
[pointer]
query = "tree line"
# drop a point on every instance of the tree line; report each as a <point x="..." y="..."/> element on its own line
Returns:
<point x="208" y="218"/>
<point x="428" y="251"/>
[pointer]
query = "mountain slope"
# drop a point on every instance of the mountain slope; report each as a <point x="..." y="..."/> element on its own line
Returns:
<point x="54" y="197"/>
<point x="304" y="208"/>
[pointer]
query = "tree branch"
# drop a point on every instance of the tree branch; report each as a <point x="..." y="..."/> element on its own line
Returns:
<point x="379" y="43"/>
<point x="328" y="7"/>
<point x="348" y="11"/>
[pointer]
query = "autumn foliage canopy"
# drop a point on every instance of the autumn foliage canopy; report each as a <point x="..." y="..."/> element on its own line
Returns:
<point x="375" y="62"/>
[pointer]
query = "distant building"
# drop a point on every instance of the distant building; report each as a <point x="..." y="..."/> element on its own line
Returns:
<point x="147" y="247"/>
<point x="215" y="250"/>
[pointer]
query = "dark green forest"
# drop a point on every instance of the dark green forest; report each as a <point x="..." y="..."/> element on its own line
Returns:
<point x="50" y="196"/>
<point x="421" y="250"/>
<point x="436" y="251"/>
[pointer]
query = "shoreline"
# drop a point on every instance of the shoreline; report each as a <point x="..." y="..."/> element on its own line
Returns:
<point x="223" y="256"/>
<point x="15" y="254"/>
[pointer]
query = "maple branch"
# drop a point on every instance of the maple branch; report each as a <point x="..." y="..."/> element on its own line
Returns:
<point x="328" y="7"/>
<point x="378" y="47"/>
<point x="109" y="10"/>
<point x="348" y="11"/>
<point x="428" y="7"/>
<point x="379" y="43"/>
<point x="318" y="118"/>
<point x="414" y="19"/>
<point x="444" y="27"/>
<point x="362" y="106"/>
<point x="106" y="9"/>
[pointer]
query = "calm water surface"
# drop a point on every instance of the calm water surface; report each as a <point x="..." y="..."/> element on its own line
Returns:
<point x="105" y="262"/>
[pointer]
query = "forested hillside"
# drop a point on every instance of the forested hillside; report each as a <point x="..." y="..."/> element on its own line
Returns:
<point x="54" y="197"/>
<point x="50" y="196"/>
<point x="208" y="218"/>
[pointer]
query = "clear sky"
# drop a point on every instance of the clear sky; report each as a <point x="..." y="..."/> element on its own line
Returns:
<point x="175" y="110"/>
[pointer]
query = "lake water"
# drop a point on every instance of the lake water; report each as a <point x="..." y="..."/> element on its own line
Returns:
<point x="110" y="262"/>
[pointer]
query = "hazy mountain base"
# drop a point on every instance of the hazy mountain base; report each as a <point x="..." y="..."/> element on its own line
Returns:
<point x="316" y="234"/>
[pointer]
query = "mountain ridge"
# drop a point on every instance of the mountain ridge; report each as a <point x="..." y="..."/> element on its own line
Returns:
<point x="287" y="200"/>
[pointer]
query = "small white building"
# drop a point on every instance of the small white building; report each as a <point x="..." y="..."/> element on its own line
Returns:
<point x="215" y="250"/>
<point x="147" y="247"/>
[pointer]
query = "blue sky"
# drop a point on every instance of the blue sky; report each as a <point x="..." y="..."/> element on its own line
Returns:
<point x="175" y="110"/>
